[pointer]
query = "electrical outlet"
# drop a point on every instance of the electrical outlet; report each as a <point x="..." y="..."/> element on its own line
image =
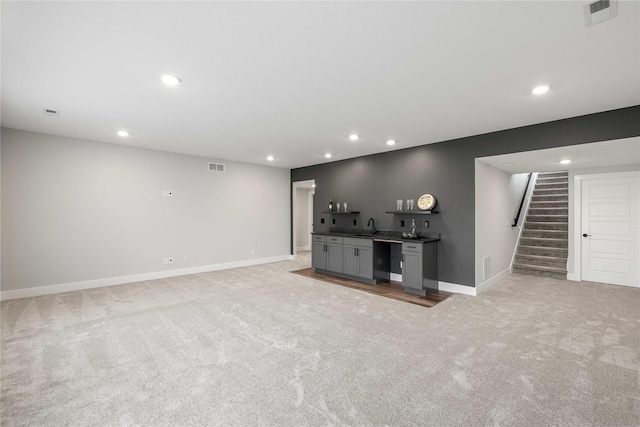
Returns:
<point x="186" y="258"/>
<point x="167" y="193"/>
<point x="426" y="224"/>
<point x="165" y="261"/>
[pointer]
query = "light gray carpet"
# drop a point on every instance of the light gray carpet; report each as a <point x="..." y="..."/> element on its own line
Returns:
<point x="260" y="346"/>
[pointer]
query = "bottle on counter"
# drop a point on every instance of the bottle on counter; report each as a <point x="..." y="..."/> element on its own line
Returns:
<point x="330" y="205"/>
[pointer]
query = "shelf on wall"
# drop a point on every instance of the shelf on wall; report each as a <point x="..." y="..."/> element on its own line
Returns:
<point x="342" y="213"/>
<point x="412" y="212"/>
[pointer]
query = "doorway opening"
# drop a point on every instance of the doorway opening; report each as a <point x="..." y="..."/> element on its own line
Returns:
<point x="303" y="194"/>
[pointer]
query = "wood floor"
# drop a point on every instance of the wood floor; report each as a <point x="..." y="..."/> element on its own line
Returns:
<point x="392" y="290"/>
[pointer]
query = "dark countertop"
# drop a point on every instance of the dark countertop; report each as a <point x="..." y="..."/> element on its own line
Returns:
<point x="390" y="237"/>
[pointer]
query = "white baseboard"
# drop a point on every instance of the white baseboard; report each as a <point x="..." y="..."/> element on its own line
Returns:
<point x="455" y="288"/>
<point x="111" y="281"/>
<point x="489" y="282"/>
<point x="396" y="277"/>
<point x="574" y="276"/>
<point x="303" y="248"/>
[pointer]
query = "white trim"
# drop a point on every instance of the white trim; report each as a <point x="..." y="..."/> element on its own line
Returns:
<point x="455" y="288"/>
<point x="303" y="248"/>
<point x="294" y="210"/>
<point x="112" y="281"/>
<point x="491" y="281"/>
<point x="311" y="194"/>
<point x="395" y="277"/>
<point x="576" y="275"/>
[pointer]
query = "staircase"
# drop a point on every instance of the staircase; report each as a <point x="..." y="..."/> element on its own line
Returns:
<point x="543" y="245"/>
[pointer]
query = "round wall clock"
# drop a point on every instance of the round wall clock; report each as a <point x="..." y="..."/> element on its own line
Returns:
<point x="426" y="202"/>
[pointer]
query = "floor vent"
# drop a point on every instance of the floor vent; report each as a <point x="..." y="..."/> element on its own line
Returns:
<point x="216" y="167"/>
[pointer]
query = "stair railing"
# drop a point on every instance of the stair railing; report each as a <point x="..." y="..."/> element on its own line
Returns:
<point x="524" y="196"/>
<point x="524" y="214"/>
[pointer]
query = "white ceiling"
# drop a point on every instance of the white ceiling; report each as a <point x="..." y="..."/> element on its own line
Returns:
<point x="293" y="79"/>
<point x="598" y="154"/>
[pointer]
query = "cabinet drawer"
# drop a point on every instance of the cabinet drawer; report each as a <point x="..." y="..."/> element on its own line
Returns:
<point x="411" y="247"/>
<point x="334" y="239"/>
<point x="353" y="241"/>
<point x="317" y="238"/>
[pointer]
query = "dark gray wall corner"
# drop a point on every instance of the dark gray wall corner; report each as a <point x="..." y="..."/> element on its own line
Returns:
<point x="371" y="184"/>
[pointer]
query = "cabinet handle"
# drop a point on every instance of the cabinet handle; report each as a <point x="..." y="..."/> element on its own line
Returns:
<point x="357" y="252"/>
<point x="412" y="247"/>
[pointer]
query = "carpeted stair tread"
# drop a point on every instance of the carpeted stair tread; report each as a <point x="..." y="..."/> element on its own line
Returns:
<point x="542" y="233"/>
<point x="541" y="260"/>
<point x="550" y="198"/>
<point x="548" y="203"/>
<point x="548" y="218"/>
<point x="553" y="249"/>
<point x="543" y="273"/>
<point x="544" y="242"/>
<point x="541" y="268"/>
<point x="560" y="226"/>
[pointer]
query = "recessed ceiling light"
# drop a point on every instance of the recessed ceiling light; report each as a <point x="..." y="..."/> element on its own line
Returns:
<point x="539" y="90"/>
<point x="354" y="137"/>
<point x="328" y="155"/>
<point x="271" y="158"/>
<point x="170" y="80"/>
<point x="565" y="162"/>
<point x="507" y="164"/>
<point x="391" y="142"/>
<point x="313" y="185"/>
<point x="123" y="133"/>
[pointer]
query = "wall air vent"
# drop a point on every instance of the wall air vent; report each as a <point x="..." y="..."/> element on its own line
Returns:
<point x="216" y="167"/>
<point x="486" y="268"/>
<point x="599" y="11"/>
<point x="51" y="112"/>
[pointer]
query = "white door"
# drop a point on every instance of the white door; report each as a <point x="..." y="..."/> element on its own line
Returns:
<point x="611" y="230"/>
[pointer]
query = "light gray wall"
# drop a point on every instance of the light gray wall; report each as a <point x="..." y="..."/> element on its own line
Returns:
<point x="303" y="236"/>
<point x="497" y="197"/>
<point x="75" y="210"/>
<point x="574" y="253"/>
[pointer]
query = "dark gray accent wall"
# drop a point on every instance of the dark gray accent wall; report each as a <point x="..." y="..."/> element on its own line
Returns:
<point x="371" y="184"/>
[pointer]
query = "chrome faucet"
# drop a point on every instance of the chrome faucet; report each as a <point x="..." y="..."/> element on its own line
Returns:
<point x="372" y="223"/>
<point x="413" y="227"/>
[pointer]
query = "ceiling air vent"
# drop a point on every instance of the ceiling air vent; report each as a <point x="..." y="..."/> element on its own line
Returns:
<point x="50" y="112"/>
<point x="599" y="11"/>
<point x="216" y="167"/>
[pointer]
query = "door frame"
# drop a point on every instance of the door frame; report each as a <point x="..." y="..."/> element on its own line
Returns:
<point x="301" y="184"/>
<point x="576" y="217"/>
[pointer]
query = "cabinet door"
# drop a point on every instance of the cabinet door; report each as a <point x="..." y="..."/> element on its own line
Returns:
<point x="350" y="260"/>
<point x="318" y="256"/>
<point x="365" y="262"/>
<point x="334" y="257"/>
<point x="412" y="270"/>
